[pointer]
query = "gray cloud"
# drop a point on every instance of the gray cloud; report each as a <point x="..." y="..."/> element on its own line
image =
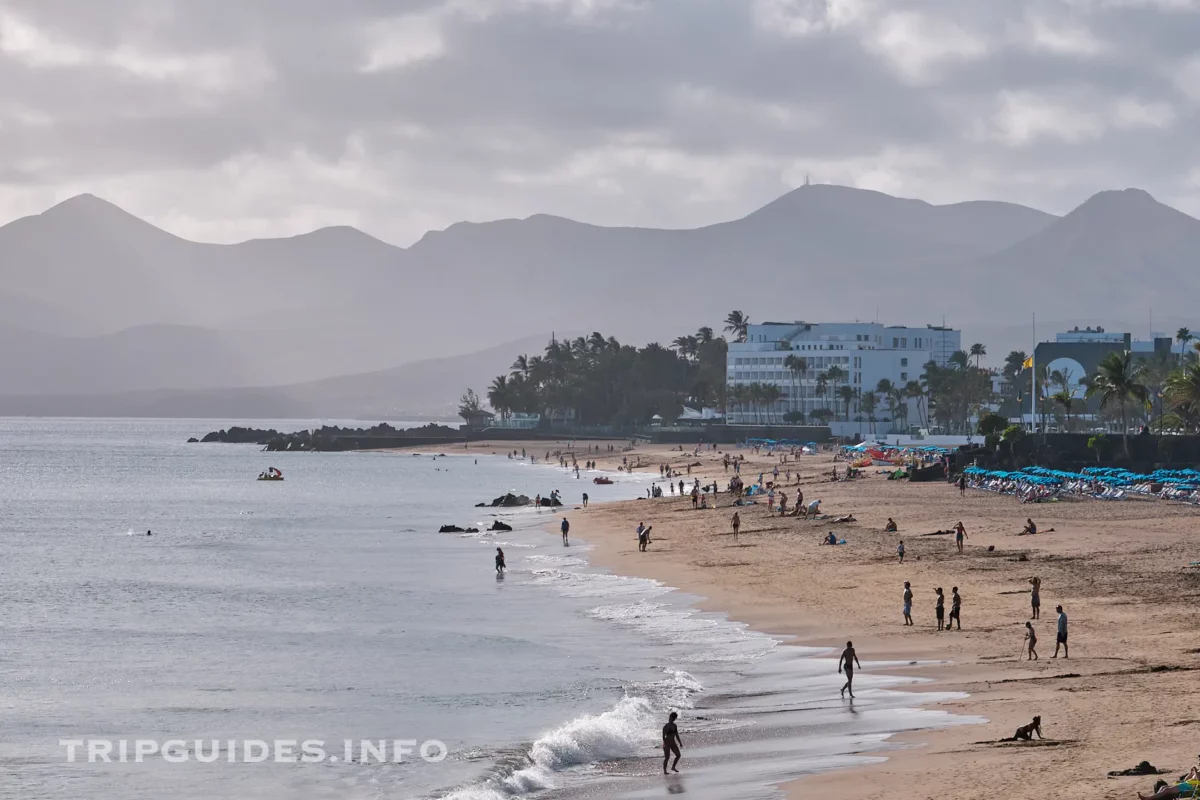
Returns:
<point x="223" y="120"/>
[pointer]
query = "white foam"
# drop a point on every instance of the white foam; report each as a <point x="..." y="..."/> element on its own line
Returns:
<point x="717" y="638"/>
<point x="621" y="732"/>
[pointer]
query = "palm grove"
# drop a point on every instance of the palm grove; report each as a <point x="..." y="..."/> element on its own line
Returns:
<point x="595" y="380"/>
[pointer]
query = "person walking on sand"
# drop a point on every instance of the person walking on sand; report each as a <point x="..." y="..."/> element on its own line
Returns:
<point x="641" y="536"/>
<point x="1031" y="638"/>
<point x="908" y="598"/>
<point x="736" y="522"/>
<point x="671" y="743"/>
<point x="585" y="499"/>
<point x="566" y="526"/>
<point x="499" y="561"/>
<point x="900" y="551"/>
<point x="960" y="533"/>
<point x="1035" y="599"/>
<point x="848" y="661"/>
<point x="955" y="608"/>
<point x="1061" y="639"/>
<point x="940" y="608"/>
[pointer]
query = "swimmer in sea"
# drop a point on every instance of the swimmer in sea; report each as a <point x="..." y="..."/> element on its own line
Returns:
<point x="500" y="566"/>
<point x="671" y="743"/>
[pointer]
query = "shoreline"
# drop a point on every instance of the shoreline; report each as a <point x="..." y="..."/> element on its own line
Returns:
<point x="1127" y="694"/>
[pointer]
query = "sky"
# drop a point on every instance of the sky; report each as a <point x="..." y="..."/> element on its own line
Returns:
<point x="224" y="120"/>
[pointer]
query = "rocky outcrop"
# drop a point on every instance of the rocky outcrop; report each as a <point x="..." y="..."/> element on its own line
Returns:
<point x="500" y="526"/>
<point x="511" y="500"/>
<point x="456" y="529"/>
<point x="334" y="438"/>
<point x="238" y="435"/>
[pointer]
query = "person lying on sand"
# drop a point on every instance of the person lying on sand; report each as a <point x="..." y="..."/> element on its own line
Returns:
<point x="1189" y="786"/>
<point x="847" y="518"/>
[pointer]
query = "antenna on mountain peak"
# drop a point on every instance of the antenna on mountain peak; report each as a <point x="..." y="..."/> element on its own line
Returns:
<point x="807" y="182"/>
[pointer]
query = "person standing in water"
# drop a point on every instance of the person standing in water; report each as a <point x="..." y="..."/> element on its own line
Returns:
<point x="566" y="526"/>
<point x="671" y="743"/>
<point x="500" y="566"/>
<point x="848" y="661"/>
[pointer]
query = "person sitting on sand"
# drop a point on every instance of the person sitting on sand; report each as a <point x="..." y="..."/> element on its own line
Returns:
<point x="830" y="539"/>
<point x="891" y="526"/>
<point x="1030" y="528"/>
<point x="813" y="508"/>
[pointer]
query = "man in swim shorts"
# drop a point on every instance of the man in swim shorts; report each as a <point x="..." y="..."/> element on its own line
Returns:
<point x="847" y="662"/>
<point x="671" y="743"/>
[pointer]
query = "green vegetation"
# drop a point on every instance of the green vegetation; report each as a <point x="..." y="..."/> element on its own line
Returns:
<point x="599" y="381"/>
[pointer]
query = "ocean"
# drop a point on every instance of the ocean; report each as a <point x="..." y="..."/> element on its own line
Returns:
<point x="275" y="640"/>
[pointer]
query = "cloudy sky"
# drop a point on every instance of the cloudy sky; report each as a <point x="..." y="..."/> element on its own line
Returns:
<point x="228" y="119"/>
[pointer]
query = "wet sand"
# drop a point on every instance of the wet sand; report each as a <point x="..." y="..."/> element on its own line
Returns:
<point x="1120" y="569"/>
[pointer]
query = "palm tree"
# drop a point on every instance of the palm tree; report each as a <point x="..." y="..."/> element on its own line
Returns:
<point x="978" y="351"/>
<point x="1117" y="380"/>
<point x="822" y="384"/>
<point x="797" y="366"/>
<point x="687" y="346"/>
<point x="770" y="396"/>
<point x="913" y="391"/>
<point x="705" y="335"/>
<point x="1183" y="336"/>
<point x="1064" y="399"/>
<point x="846" y="394"/>
<point x="500" y="396"/>
<point x="867" y="404"/>
<point x="737" y="323"/>
<point x="1183" y="393"/>
<point x="960" y="359"/>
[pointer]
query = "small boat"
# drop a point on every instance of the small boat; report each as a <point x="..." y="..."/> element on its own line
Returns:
<point x="271" y="474"/>
<point x="602" y="481"/>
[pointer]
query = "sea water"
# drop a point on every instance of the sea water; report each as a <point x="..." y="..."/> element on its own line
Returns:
<point x="327" y="608"/>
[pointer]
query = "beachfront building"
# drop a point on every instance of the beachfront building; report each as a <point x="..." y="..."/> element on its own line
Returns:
<point x="863" y="353"/>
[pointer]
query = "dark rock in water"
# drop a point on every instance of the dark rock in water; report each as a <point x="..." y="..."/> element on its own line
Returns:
<point x="511" y="500"/>
<point x="334" y="438"/>
<point x="451" y="529"/>
<point x="471" y="530"/>
<point x="551" y="502"/>
<point x="481" y="505"/>
<point x="193" y="440"/>
<point x="500" y="526"/>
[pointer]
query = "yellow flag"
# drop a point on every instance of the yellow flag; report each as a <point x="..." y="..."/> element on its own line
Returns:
<point x="1028" y="363"/>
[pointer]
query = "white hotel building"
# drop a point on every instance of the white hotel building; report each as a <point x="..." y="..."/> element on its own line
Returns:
<point x="867" y="352"/>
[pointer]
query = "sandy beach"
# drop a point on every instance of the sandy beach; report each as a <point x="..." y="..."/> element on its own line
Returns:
<point x="1121" y="570"/>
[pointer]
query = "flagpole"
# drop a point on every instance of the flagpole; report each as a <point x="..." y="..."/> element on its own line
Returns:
<point x="1033" y="374"/>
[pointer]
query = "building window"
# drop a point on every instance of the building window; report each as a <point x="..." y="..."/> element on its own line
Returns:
<point x="904" y="362"/>
<point x="904" y="376"/>
<point x="895" y="342"/>
<point x="904" y="343"/>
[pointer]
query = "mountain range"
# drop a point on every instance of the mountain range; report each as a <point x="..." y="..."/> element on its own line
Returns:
<point x="101" y="310"/>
